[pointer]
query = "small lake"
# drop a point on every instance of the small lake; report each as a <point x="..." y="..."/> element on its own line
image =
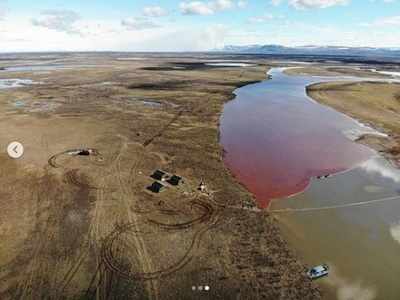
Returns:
<point x="277" y="142"/>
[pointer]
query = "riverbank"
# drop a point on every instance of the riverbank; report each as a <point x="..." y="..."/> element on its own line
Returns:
<point x="323" y="221"/>
<point x="376" y="104"/>
<point x="324" y="70"/>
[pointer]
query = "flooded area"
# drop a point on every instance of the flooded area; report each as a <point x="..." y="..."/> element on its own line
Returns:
<point x="277" y="143"/>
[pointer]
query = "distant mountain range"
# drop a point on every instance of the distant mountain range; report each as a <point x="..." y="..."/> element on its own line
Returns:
<point x="313" y="50"/>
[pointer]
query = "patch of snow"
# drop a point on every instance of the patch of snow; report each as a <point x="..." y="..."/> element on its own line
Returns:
<point x="389" y="73"/>
<point x="394" y="74"/>
<point x="131" y="58"/>
<point x="14" y="83"/>
<point x="232" y="64"/>
<point x="356" y="133"/>
<point x="374" y="166"/>
<point x="293" y="62"/>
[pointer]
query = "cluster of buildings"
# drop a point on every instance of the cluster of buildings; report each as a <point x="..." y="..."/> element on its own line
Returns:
<point x="162" y="180"/>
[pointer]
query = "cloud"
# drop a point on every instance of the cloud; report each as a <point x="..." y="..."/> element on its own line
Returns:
<point x="58" y="20"/>
<point x="205" y="8"/>
<point x="145" y="20"/>
<point x="242" y="4"/>
<point x="3" y="9"/>
<point x="395" y="20"/>
<point x="384" y="1"/>
<point x="139" y="23"/>
<point x="154" y="11"/>
<point x="387" y="21"/>
<point x="130" y="34"/>
<point x="194" y="38"/>
<point x="260" y="19"/>
<point x="305" y="4"/>
<point x="147" y="32"/>
<point x="196" y="8"/>
<point x="309" y="4"/>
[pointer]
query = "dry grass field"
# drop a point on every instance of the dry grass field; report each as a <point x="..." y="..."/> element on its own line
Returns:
<point x="86" y="227"/>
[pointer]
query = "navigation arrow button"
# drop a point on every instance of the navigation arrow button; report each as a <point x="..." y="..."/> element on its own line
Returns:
<point x="15" y="150"/>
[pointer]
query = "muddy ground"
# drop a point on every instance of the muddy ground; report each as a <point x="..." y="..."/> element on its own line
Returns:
<point x="86" y="227"/>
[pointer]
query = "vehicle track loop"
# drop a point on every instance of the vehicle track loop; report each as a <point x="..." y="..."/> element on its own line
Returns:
<point x="111" y="262"/>
<point x="208" y="212"/>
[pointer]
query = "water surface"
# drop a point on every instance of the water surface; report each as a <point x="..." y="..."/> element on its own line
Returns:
<point x="276" y="139"/>
<point x="361" y="244"/>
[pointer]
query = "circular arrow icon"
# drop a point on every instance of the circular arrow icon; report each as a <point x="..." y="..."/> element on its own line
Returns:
<point x="15" y="150"/>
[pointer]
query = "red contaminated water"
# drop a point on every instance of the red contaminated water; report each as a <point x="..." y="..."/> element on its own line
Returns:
<point x="276" y="139"/>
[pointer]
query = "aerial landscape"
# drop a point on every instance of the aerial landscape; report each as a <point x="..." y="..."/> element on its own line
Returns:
<point x="169" y="153"/>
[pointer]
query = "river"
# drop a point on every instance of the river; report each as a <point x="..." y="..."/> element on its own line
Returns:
<point x="278" y="142"/>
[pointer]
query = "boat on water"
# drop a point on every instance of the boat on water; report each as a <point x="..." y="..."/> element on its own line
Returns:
<point x="318" y="272"/>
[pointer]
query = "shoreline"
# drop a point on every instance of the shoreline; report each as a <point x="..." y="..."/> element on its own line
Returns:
<point x="255" y="206"/>
<point x="252" y="207"/>
<point x="378" y="142"/>
<point x="385" y="142"/>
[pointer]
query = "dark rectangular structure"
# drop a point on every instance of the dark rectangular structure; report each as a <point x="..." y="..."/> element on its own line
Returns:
<point x="158" y="175"/>
<point x="174" y="180"/>
<point x="156" y="187"/>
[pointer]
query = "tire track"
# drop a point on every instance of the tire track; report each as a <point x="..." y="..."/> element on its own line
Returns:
<point x="133" y="219"/>
<point x="93" y="232"/>
<point x="205" y="217"/>
<point x="111" y="262"/>
<point x="97" y="222"/>
<point x="72" y="178"/>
